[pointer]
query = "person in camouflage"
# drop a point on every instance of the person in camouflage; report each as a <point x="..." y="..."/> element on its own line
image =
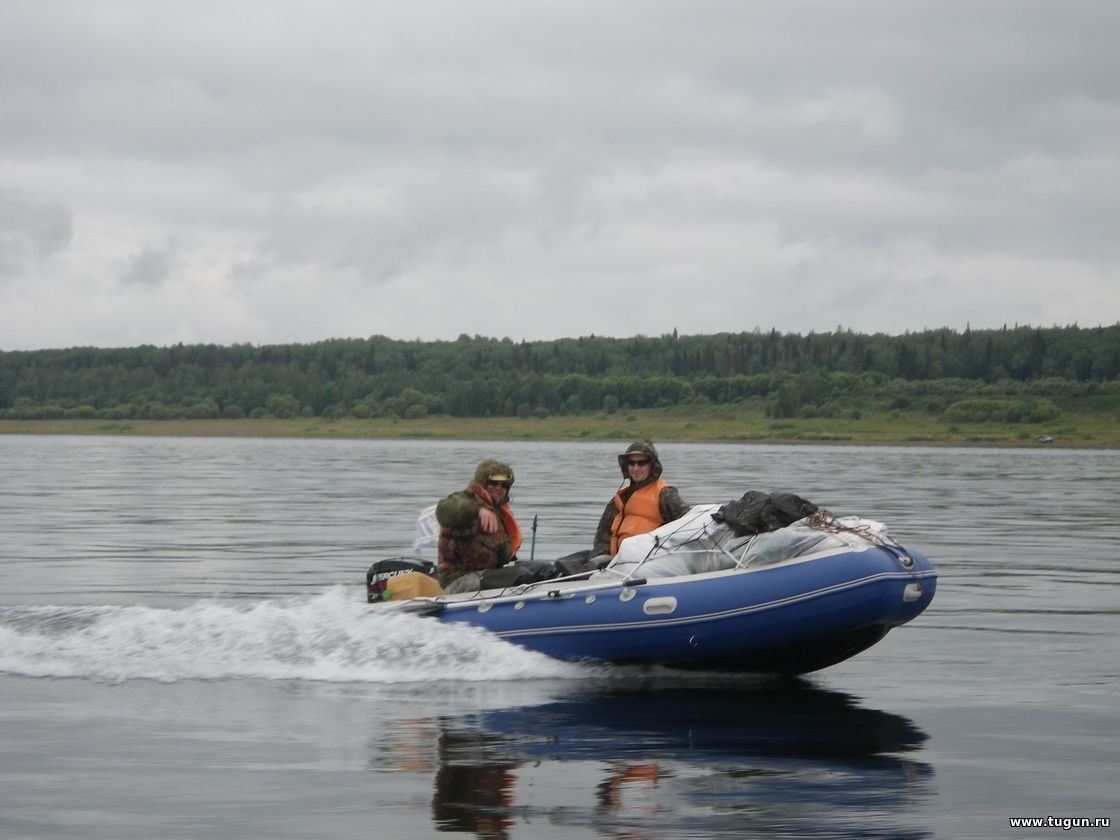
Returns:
<point x="478" y="530"/>
<point x="645" y="503"/>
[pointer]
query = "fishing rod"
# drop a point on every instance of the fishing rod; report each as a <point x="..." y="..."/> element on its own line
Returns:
<point x="533" y="543"/>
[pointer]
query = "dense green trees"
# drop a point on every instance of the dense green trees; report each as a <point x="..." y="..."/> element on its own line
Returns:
<point x="1021" y="374"/>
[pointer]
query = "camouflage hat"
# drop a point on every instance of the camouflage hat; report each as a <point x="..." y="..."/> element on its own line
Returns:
<point x="492" y="470"/>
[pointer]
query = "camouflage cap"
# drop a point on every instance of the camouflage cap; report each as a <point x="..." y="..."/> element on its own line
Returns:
<point x="493" y="470"/>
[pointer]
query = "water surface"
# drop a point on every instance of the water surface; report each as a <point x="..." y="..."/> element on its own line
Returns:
<point x="185" y="652"/>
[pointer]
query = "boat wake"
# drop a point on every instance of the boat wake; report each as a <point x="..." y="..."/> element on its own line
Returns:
<point x="328" y="637"/>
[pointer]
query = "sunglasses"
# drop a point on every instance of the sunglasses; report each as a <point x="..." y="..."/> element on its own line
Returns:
<point x="505" y="484"/>
<point x="638" y="463"/>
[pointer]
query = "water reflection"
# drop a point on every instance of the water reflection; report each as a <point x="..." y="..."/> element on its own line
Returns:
<point x="659" y="761"/>
<point x="475" y="784"/>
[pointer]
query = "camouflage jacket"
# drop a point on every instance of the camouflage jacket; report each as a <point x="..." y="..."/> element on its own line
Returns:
<point x="463" y="545"/>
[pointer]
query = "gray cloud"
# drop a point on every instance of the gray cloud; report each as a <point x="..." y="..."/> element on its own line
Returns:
<point x="30" y="230"/>
<point x="896" y="160"/>
<point x="151" y="266"/>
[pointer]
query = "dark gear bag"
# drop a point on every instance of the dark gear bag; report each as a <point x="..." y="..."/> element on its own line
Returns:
<point x="518" y="573"/>
<point x="757" y="512"/>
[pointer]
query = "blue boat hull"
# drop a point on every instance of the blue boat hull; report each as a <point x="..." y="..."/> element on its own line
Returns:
<point x="792" y="618"/>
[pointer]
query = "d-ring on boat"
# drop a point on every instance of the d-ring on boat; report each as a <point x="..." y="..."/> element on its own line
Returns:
<point x="695" y="594"/>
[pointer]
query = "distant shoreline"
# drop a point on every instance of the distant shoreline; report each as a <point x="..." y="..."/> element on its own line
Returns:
<point x="658" y="424"/>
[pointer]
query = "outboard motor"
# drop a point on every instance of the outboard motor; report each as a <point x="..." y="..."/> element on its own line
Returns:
<point x="379" y="574"/>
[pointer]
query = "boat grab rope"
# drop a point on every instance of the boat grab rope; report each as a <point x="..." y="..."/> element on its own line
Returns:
<point x="828" y="522"/>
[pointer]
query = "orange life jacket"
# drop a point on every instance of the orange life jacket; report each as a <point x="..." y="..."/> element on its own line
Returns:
<point x="639" y="514"/>
<point x="513" y="530"/>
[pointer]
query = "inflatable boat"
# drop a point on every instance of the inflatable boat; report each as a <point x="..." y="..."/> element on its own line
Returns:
<point x="693" y="594"/>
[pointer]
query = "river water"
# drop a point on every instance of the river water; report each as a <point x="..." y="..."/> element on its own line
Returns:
<point x="185" y="652"/>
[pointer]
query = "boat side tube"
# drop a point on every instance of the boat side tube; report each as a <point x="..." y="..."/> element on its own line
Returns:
<point x="545" y="590"/>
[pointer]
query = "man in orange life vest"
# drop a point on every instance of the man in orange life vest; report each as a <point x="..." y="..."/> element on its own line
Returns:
<point x="477" y="528"/>
<point x="645" y="503"/>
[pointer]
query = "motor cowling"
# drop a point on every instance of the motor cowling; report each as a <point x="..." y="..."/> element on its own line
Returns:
<point x="382" y="571"/>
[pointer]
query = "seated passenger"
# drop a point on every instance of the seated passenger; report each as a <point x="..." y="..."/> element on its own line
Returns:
<point x="643" y="504"/>
<point x="477" y="528"/>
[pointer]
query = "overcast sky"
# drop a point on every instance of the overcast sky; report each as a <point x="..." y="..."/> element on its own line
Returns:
<point x="269" y="172"/>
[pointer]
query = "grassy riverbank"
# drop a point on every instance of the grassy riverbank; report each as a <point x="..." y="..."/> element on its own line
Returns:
<point x="709" y="424"/>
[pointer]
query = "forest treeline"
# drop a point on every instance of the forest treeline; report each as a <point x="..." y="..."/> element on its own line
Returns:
<point x="1020" y="374"/>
